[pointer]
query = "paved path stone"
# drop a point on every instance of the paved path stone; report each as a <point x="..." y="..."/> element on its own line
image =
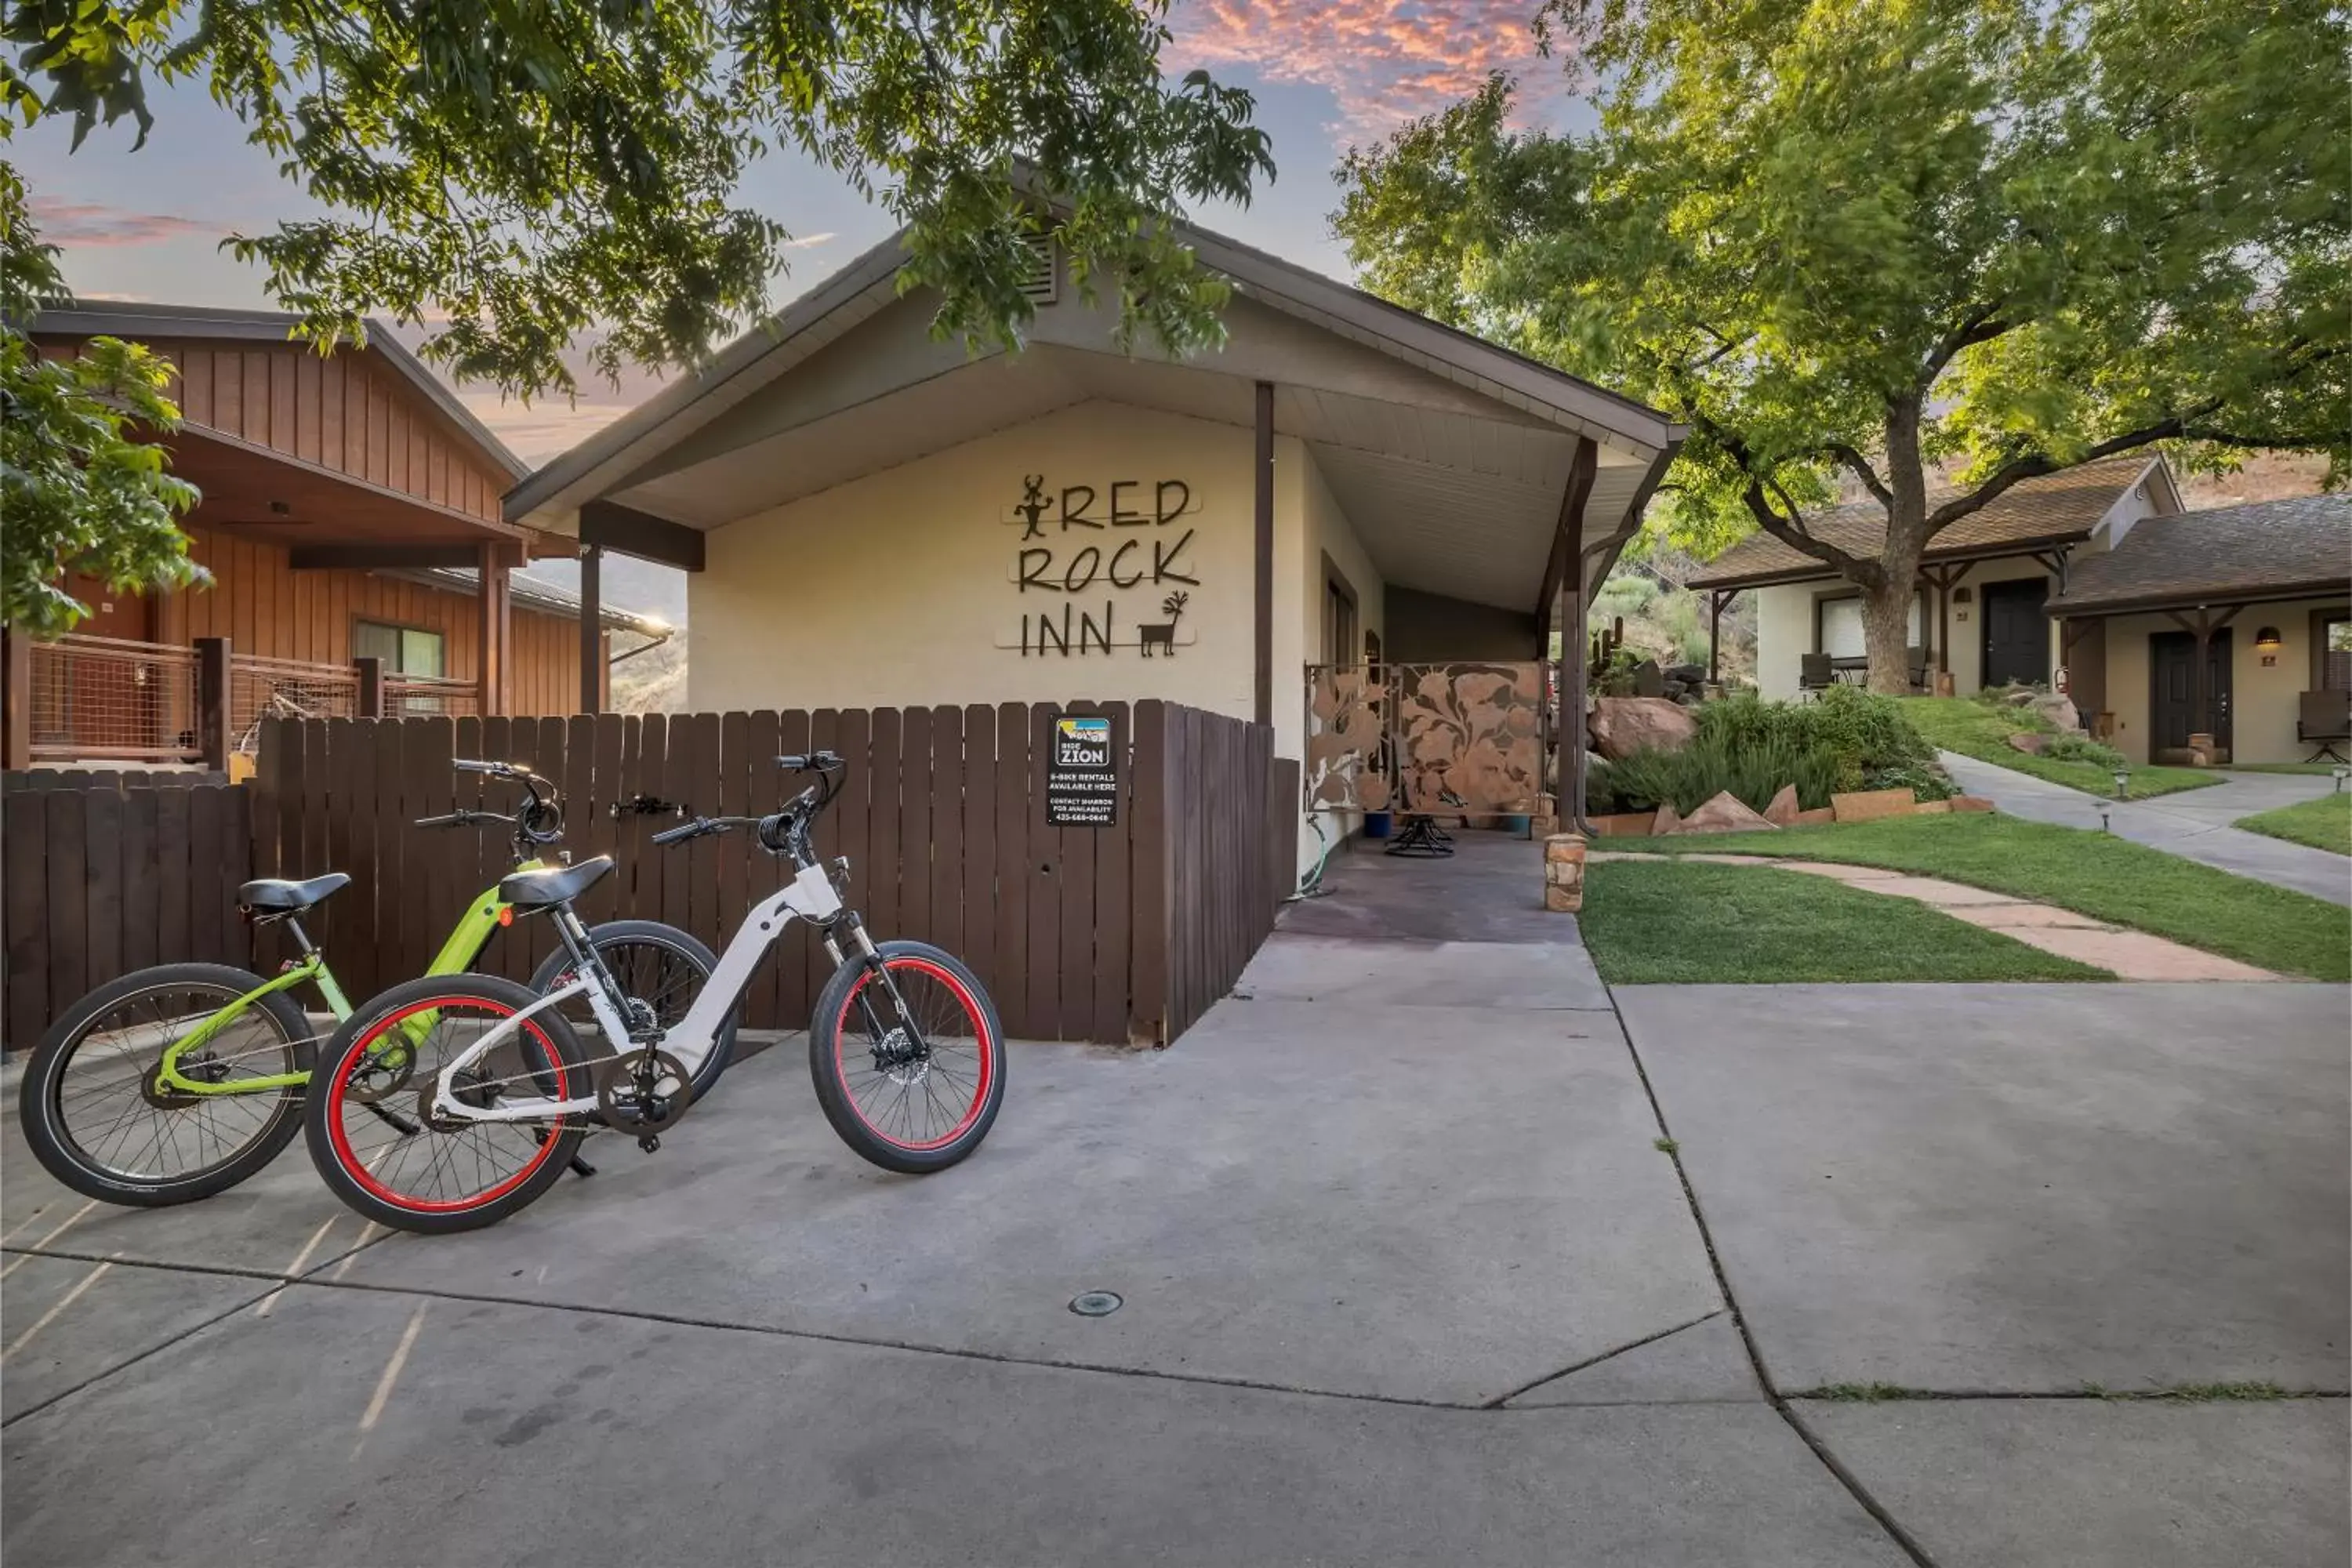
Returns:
<point x="2124" y="953"/>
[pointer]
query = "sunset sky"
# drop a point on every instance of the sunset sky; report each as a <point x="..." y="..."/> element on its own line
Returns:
<point x="147" y="226"/>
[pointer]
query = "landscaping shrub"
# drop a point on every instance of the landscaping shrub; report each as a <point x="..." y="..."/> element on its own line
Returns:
<point x="1752" y="770"/>
<point x="2083" y="749"/>
<point x="1849" y="740"/>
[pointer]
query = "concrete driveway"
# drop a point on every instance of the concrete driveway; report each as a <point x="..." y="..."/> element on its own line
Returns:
<point x="1408" y="1278"/>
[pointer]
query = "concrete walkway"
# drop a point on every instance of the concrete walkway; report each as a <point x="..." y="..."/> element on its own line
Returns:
<point x="1431" y="1250"/>
<point x="2193" y="824"/>
<point x="2123" y="953"/>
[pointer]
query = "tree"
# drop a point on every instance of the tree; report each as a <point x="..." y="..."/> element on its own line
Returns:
<point x="1875" y="241"/>
<point x="76" y="492"/>
<point x="519" y="175"/>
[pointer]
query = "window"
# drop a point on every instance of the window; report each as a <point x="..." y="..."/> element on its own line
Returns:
<point x="2333" y="650"/>
<point x="1841" y="633"/>
<point x="1339" y="643"/>
<point x="405" y="650"/>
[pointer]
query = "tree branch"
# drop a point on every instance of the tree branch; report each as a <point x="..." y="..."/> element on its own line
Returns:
<point x="1861" y="467"/>
<point x="2036" y="464"/>
<point x="1980" y="327"/>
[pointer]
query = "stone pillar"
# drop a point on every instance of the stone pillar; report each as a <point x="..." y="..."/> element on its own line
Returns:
<point x="1564" y="873"/>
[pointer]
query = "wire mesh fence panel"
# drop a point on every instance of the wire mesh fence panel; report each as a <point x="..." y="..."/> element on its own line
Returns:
<point x="109" y="697"/>
<point x="428" y="697"/>
<point x="286" y="688"/>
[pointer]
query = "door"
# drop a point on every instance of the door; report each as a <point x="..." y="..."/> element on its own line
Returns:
<point x="2016" y="633"/>
<point x="109" y="700"/>
<point x="2172" y="703"/>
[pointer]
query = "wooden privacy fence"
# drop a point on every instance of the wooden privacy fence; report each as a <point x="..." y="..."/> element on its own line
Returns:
<point x="105" y="873"/>
<point x="1118" y="934"/>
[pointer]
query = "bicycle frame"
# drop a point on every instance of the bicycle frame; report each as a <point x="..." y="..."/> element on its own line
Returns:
<point x="481" y="921"/>
<point x="809" y="896"/>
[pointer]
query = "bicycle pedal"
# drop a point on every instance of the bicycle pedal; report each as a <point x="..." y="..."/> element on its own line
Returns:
<point x="649" y="1142"/>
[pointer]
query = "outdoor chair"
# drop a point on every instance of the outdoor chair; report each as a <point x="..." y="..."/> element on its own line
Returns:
<point x="2324" y="719"/>
<point x="1815" y="673"/>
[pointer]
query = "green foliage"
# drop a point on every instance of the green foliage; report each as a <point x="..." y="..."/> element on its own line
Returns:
<point x="1848" y="740"/>
<point x="1981" y="730"/>
<point x="1753" y="770"/>
<point x="516" y="177"/>
<point x="1869" y="242"/>
<point x="2083" y="749"/>
<point x="2096" y="874"/>
<point x="2324" y="823"/>
<point x="1658" y="923"/>
<point x="1615" y="677"/>
<point x="76" y="491"/>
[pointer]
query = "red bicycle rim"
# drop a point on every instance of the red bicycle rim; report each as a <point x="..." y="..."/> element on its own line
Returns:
<point x="984" y="1043"/>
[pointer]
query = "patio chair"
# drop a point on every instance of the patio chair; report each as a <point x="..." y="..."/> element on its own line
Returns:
<point x="1915" y="662"/>
<point x="1815" y="673"/>
<point x="2325" y="718"/>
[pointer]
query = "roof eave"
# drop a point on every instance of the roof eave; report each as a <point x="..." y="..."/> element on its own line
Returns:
<point x="2153" y="604"/>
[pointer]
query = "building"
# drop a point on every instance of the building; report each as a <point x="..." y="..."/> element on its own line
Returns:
<point x="1978" y="613"/>
<point x="351" y="523"/>
<point x="2263" y="592"/>
<point x="873" y="517"/>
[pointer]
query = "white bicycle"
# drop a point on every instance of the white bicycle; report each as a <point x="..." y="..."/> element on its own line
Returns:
<point x="903" y="1046"/>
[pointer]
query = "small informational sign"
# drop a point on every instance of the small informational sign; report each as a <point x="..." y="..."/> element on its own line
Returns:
<point x="1081" y="774"/>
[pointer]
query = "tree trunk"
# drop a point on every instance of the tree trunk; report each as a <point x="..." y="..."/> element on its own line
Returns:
<point x="1886" y="634"/>
<point x="1886" y="603"/>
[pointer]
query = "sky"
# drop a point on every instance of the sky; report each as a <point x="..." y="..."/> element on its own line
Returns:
<point x="1327" y="74"/>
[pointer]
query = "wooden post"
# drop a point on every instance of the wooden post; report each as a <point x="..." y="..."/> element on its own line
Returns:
<point x="1715" y="600"/>
<point x="592" y="628"/>
<point x="1261" y="706"/>
<point x="490" y="675"/>
<point x="15" y="700"/>
<point x="214" y="708"/>
<point x="370" y="674"/>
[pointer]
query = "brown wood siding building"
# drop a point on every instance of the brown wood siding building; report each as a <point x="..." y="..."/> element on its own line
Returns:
<point x="263" y="606"/>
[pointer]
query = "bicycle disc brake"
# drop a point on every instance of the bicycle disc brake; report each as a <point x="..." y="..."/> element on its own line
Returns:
<point x="642" y="1093"/>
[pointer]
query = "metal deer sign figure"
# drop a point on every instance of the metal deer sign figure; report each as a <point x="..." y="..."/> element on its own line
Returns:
<point x="1163" y="633"/>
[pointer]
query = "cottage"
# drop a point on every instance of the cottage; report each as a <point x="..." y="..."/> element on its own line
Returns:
<point x="1977" y="615"/>
<point x="2233" y="623"/>
<point x="875" y="518"/>
<point x="350" y="522"/>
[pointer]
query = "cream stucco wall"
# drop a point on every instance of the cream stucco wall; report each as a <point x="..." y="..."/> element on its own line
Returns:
<point x="902" y="588"/>
<point x="2264" y="698"/>
<point x="1784" y="624"/>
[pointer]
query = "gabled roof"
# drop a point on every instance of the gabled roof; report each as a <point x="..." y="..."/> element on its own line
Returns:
<point x="2296" y="548"/>
<point x="2055" y="509"/>
<point x="141" y="322"/>
<point x="862" y="287"/>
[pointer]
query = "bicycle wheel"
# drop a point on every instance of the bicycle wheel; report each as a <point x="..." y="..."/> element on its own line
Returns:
<point x="380" y="1148"/>
<point x="913" y="1092"/>
<point x="659" y="965"/>
<point x="98" y="1122"/>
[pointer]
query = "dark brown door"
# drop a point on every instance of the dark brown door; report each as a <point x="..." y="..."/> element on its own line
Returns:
<point x="111" y="699"/>
<point x="2016" y="633"/>
<point x="2172" y="707"/>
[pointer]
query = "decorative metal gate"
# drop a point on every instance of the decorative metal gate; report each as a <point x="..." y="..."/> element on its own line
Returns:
<point x="1467" y="737"/>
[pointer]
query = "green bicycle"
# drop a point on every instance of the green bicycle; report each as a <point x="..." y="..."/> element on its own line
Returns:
<point x="177" y="1082"/>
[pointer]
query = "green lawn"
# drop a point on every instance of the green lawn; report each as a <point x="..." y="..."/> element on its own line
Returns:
<point x="1971" y="728"/>
<point x="2106" y="878"/>
<point x="1656" y="923"/>
<point x="2324" y="823"/>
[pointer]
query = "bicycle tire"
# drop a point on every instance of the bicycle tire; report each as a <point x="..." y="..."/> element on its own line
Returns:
<point x="650" y="934"/>
<point x="854" y="1115"/>
<point x="40" y="1101"/>
<point x="557" y="1066"/>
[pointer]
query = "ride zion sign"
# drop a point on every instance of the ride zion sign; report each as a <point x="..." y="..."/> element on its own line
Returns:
<point x="1102" y="567"/>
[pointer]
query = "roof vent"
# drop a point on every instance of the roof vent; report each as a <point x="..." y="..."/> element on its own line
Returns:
<point x="1043" y="284"/>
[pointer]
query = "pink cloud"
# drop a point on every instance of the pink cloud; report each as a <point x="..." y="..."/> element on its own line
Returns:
<point x="97" y="224"/>
<point x="1384" y="60"/>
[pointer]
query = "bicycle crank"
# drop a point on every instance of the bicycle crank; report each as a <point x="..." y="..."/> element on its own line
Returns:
<point x="642" y="1093"/>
